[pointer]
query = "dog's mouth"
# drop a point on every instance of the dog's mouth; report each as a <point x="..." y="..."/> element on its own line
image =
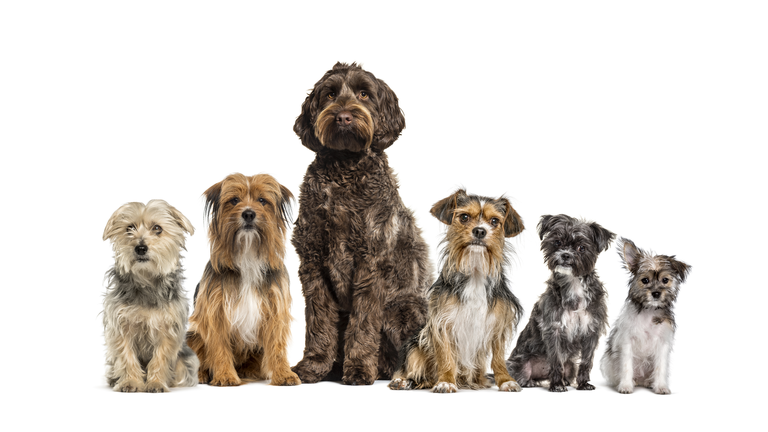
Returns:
<point x="142" y="259"/>
<point x="348" y="127"/>
<point x="476" y="242"/>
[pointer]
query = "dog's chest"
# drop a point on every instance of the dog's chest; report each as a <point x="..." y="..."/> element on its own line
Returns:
<point x="576" y="322"/>
<point x="645" y="331"/>
<point x="472" y="323"/>
<point x="245" y="308"/>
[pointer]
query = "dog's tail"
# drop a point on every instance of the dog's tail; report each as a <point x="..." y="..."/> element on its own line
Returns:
<point x="186" y="367"/>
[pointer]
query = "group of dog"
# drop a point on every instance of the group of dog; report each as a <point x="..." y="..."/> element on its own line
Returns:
<point x="372" y="308"/>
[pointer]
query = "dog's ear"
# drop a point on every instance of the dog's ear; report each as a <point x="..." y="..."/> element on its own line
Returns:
<point x="682" y="269"/>
<point x="630" y="254"/>
<point x="443" y="209"/>
<point x="545" y="225"/>
<point x="212" y="202"/>
<point x="513" y="223"/>
<point x="305" y="122"/>
<point x="602" y="236"/>
<point x="113" y="224"/>
<point x="284" y="205"/>
<point x="391" y="120"/>
<point x="177" y="216"/>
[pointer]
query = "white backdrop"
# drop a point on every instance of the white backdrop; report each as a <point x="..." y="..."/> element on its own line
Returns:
<point x="648" y="118"/>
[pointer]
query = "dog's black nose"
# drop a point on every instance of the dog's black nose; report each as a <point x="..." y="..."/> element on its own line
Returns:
<point x="141" y="249"/>
<point x="249" y="215"/>
<point x="479" y="232"/>
<point x="656" y="294"/>
<point x="344" y="118"/>
<point x="565" y="257"/>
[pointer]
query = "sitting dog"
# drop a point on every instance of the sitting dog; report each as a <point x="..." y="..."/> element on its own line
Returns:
<point x="641" y="340"/>
<point x="145" y="309"/>
<point x="241" y="323"/>
<point x="364" y="267"/>
<point x="559" y="342"/>
<point x="472" y="312"/>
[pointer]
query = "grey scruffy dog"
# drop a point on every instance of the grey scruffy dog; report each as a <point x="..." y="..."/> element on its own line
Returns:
<point x="145" y="309"/>
<point x="559" y="342"/>
<point x="641" y="340"/>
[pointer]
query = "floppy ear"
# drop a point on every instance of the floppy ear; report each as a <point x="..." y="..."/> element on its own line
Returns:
<point x="212" y="198"/>
<point x="513" y="223"/>
<point x="180" y="219"/>
<point x="114" y="227"/>
<point x="304" y="126"/>
<point x="391" y="120"/>
<point x="545" y="224"/>
<point x="681" y="268"/>
<point x="284" y="204"/>
<point x="443" y="209"/>
<point x="602" y="236"/>
<point x="630" y="254"/>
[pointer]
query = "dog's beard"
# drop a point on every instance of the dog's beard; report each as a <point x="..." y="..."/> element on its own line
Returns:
<point x="247" y="241"/>
<point x="564" y="270"/>
<point x="356" y="137"/>
<point x="475" y="259"/>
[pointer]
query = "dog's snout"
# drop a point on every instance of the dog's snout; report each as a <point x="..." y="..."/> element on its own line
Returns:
<point x="141" y="249"/>
<point x="656" y="294"/>
<point x="565" y="256"/>
<point x="479" y="232"/>
<point x="344" y="118"/>
<point x="249" y="215"/>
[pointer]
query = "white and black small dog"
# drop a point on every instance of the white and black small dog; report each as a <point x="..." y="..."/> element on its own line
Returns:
<point x="559" y="342"/>
<point x="641" y="340"/>
<point x="145" y="309"/>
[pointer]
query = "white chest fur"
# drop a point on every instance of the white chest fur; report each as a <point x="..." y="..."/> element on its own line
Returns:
<point x="576" y="322"/>
<point x="472" y="324"/>
<point x="245" y="308"/>
<point x="646" y="336"/>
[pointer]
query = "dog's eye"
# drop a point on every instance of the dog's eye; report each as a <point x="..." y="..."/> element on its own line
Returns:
<point x="331" y="95"/>
<point x="582" y="248"/>
<point x="558" y="243"/>
<point x="234" y="201"/>
<point x="494" y="222"/>
<point x="130" y="228"/>
<point x="363" y="95"/>
<point x="665" y="280"/>
<point x="645" y="281"/>
<point x="463" y="217"/>
<point x="262" y="201"/>
<point x="157" y="229"/>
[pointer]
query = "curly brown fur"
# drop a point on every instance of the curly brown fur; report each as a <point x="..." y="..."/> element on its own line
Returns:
<point x="472" y="312"/>
<point x="364" y="265"/>
<point x="241" y="323"/>
<point x="558" y="343"/>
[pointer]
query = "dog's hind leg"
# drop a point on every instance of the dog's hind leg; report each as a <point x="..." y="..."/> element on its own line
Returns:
<point x="187" y="365"/>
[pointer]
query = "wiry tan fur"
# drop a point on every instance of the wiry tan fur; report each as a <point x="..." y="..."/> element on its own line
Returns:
<point x="145" y="309"/>
<point x="472" y="314"/>
<point x="241" y="324"/>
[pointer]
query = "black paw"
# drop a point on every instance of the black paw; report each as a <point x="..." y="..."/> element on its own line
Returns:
<point x="559" y="388"/>
<point x="585" y="386"/>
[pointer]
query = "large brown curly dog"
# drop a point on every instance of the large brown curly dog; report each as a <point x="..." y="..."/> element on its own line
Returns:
<point x="364" y="265"/>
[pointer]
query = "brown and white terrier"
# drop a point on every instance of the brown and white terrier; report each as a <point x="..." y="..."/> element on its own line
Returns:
<point x="241" y="323"/>
<point x="472" y="312"/>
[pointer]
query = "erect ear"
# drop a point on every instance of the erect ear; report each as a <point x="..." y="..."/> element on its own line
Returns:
<point x="391" y="120"/>
<point x="513" y="223"/>
<point x="284" y="204"/>
<point x="681" y="268"/>
<point x="181" y="220"/>
<point x="443" y="209"/>
<point x="212" y="202"/>
<point x="545" y="225"/>
<point x="602" y="236"/>
<point x="630" y="254"/>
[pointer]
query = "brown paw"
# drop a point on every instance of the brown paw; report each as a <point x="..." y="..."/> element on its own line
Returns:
<point x="225" y="381"/>
<point x="357" y="377"/>
<point x="203" y="376"/>
<point x="401" y="384"/>
<point x="309" y="372"/>
<point x="287" y="378"/>
<point x="156" y="387"/>
<point x="444" y="387"/>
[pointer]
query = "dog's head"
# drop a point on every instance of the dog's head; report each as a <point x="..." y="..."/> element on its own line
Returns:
<point x="477" y="228"/>
<point x="655" y="279"/>
<point x="570" y="245"/>
<point x="147" y="239"/>
<point x="349" y="109"/>
<point x="247" y="214"/>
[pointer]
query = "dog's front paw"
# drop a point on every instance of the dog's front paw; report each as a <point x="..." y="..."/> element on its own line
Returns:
<point x="309" y="372"/>
<point x="203" y="376"/>
<point x="557" y="388"/>
<point x="661" y="390"/>
<point x="444" y="387"/>
<point x="156" y="387"/>
<point x="625" y="388"/>
<point x="401" y="384"/>
<point x="357" y="377"/>
<point x="510" y="386"/>
<point x="129" y="385"/>
<point x="585" y="386"/>
<point x="225" y="380"/>
<point x="287" y="378"/>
